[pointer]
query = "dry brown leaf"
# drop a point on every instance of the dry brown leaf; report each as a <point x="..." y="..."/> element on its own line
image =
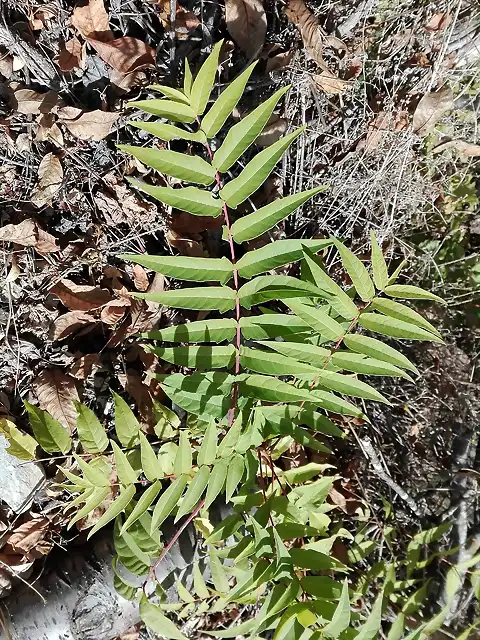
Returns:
<point x="24" y="233"/>
<point x="247" y="24"/>
<point x="185" y="21"/>
<point x="467" y="148"/>
<point x="329" y="82"/>
<point x="140" y="278"/>
<point x="184" y="245"/>
<point x="6" y="63"/>
<point x="132" y="383"/>
<point x="49" y="130"/>
<point x="85" y="366"/>
<point x="279" y="61"/>
<point x="93" y="125"/>
<point x="56" y="393"/>
<point x="430" y="109"/>
<point x="46" y="243"/>
<point x="79" y="297"/>
<point x="50" y="179"/>
<point x="69" y="323"/>
<point x="125" y="54"/>
<point x="71" y="55"/>
<point x="91" y="20"/>
<point x="113" y="312"/>
<point x="28" y="535"/>
<point x="383" y="121"/>
<point x="31" y="102"/>
<point x="125" y="206"/>
<point x="438" y="22"/>
<point x="298" y="13"/>
<point x="123" y="82"/>
<point x="13" y="274"/>
<point x="273" y="131"/>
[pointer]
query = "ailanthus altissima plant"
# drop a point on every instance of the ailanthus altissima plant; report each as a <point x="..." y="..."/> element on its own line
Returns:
<point x="276" y="361"/>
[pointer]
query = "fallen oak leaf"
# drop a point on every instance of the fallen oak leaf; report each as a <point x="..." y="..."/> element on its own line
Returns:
<point x="90" y="18"/>
<point x="125" y="54"/>
<point x="92" y="125"/>
<point x="430" y="109"/>
<point x="69" y="323"/>
<point x="50" y="179"/>
<point x="247" y="24"/>
<point x="56" y="393"/>
<point x="78" y="297"/>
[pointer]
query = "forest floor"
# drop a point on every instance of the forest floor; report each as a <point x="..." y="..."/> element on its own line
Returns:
<point x="388" y="92"/>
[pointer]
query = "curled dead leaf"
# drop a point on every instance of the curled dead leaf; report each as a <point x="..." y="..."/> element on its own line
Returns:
<point x="85" y="366"/>
<point x="430" y="109"/>
<point x="49" y="130"/>
<point x="274" y="130"/>
<point x="329" y="82"/>
<point x="140" y="278"/>
<point x="69" y="323"/>
<point x="92" y="125"/>
<point x="466" y="148"/>
<point x="56" y="393"/>
<point x="125" y="54"/>
<point x="185" y="21"/>
<point x="90" y="18"/>
<point x="114" y="312"/>
<point x="29" y="102"/>
<point x="247" y="24"/>
<point x="279" y="61"/>
<point x="79" y="297"/>
<point x="71" y="55"/>
<point x="29" y="234"/>
<point x="28" y="535"/>
<point x="50" y="179"/>
<point x="299" y="14"/>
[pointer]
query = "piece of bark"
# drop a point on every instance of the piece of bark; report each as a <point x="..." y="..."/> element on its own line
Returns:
<point x="19" y="482"/>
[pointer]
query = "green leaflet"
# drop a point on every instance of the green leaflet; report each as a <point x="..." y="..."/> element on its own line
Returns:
<point x="305" y="352"/>
<point x="186" y="268"/>
<point x="263" y="219"/>
<point x="338" y="298"/>
<point x="243" y="134"/>
<point x="272" y="390"/>
<point x="125" y="472"/>
<point x="187" y="79"/>
<point x="199" y="585"/>
<point x="214" y="120"/>
<point x="201" y="298"/>
<point x="275" y="254"/>
<point x="201" y="404"/>
<point x="286" y="423"/>
<point x="376" y="349"/>
<point x="318" y="320"/>
<point x="93" y="498"/>
<point x="125" y="589"/>
<point x="150" y="464"/>
<point x="319" y="422"/>
<point x="92" y="474"/>
<point x="341" y="618"/>
<point x="256" y="171"/>
<point x="170" y="92"/>
<point x="118" y="506"/>
<point x="369" y="630"/>
<point x="286" y="415"/>
<point x="195" y="201"/>
<point x="395" y="328"/>
<point x="198" y="331"/>
<point x="266" y="288"/>
<point x="208" y="451"/>
<point x="172" y="163"/>
<point x="272" y="364"/>
<point x="348" y="385"/>
<point x="168" y="132"/>
<point x="22" y="446"/>
<point x="90" y="431"/>
<point x="402" y="312"/>
<point x="167" y="502"/>
<point x="175" y="111"/>
<point x="379" y="266"/>
<point x="216" y="481"/>
<point x="49" y="433"/>
<point x="236" y="468"/>
<point x="357" y="272"/>
<point x="330" y="402"/>
<point x="203" y="84"/>
<point x="359" y="363"/>
<point x="409" y="292"/>
<point x="157" y="622"/>
<point x="197" y="357"/>
<point x="194" y="492"/>
<point x="126" y="424"/>
<point x="202" y="393"/>
<point x="272" y="325"/>
<point x="183" y="459"/>
<point x="142" y="505"/>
